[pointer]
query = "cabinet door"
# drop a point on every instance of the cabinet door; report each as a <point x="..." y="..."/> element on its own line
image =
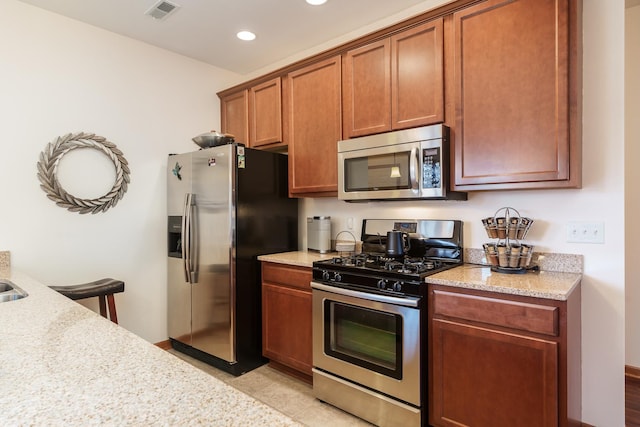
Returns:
<point x="265" y="113"/>
<point x="313" y="128"/>
<point x="516" y="123"/>
<point x="234" y="110"/>
<point x="483" y="377"/>
<point x="367" y="89"/>
<point x="286" y="325"/>
<point x="417" y="76"/>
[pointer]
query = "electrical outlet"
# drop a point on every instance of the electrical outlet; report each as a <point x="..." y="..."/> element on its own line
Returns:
<point x="585" y="232"/>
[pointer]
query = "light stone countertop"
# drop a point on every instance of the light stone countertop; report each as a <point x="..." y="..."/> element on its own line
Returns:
<point x="544" y="284"/>
<point x="299" y="258"/>
<point x="63" y="364"/>
<point x="550" y="283"/>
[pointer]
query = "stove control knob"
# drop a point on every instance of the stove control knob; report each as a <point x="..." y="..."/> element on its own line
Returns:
<point x="325" y="275"/>
<point x="382" y="284"/>
<point x="397" y="286"/>
<point x="337" y="277"/>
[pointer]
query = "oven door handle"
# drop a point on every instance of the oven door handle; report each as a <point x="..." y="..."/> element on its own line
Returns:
<point x="404" y="301"/>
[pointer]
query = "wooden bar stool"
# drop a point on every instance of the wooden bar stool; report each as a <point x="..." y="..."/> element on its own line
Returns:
<point x="100" y="288"/>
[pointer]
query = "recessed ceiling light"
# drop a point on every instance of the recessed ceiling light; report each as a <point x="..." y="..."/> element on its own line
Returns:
<point x="316" y="2"/>
<point x="246" y="35"/>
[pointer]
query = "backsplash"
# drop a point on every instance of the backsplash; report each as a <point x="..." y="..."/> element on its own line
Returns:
<point x="5" y="260"/>
<point x="5" y="264"/>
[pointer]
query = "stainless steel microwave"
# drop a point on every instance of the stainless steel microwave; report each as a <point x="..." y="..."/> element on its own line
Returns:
<point x="405" y="164"/>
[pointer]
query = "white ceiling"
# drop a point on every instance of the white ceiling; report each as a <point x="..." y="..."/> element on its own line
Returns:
<point x="205" y="29"/>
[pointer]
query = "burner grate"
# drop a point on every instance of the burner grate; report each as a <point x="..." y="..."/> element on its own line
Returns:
<point x="406" y="265"/>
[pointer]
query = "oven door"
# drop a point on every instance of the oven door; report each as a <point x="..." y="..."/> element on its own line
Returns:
<point x="372" y="340"/>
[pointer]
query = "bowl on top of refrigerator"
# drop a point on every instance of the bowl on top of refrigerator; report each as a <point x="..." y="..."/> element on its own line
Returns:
<point x="212" y="139"/>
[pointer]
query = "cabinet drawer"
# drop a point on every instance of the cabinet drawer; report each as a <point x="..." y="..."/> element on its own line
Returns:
<point x="297" y="277"/>
<point x="509" y="314"/>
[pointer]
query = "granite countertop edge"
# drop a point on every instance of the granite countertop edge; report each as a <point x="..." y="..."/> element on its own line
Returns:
<point x="543" y="284"/>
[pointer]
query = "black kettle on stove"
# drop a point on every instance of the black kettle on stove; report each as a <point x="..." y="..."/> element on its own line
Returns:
<point x="398" y="244"/>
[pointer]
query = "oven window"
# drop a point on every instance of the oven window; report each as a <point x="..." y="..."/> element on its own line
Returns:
<point x="368" y="338"/>
<point x="381" y="172"/>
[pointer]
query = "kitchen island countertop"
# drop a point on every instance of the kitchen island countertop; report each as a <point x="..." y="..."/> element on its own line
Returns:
<point x="63" y="364"/>
<point x="544" y="284"/>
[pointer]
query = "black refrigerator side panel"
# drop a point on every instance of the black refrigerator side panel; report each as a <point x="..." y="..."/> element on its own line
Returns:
<point x="267" y="222"/>
<point x="267" y="219"/>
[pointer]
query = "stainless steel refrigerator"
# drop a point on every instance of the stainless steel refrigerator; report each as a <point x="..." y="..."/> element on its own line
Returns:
<point x="226" y="205"/>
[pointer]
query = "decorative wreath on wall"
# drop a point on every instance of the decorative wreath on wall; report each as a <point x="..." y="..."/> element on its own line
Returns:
<point x="48" y="167"/>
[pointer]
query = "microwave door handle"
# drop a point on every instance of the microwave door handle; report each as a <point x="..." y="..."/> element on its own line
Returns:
<point x="413" y="168"/>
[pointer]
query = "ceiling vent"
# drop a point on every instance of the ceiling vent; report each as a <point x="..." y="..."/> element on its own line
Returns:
<point x="162" y="9"/>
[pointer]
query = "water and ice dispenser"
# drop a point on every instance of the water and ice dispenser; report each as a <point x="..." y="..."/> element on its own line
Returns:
<point x="174" y="229"/>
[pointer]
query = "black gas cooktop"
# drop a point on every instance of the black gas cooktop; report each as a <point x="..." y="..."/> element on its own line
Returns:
<point x="403" y="267"/>
<point x="436" y="245"/>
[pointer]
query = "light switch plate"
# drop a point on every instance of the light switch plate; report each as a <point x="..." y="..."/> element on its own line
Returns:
<point x="585" y="232"/>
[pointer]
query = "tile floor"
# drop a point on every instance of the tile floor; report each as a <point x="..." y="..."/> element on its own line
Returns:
<point x="283" y="393"/>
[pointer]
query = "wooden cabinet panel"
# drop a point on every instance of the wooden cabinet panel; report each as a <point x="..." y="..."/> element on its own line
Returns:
<point x="265" y="113"/>
<point x="286" y="317"/>
<point x="510" y="314"/>
<point x="234" y="111"/>
<point x="503" y="360"/>
<point x="293" y="276"/>
<point x="516" y="96"/>
<point x="488" y="378"/>
<point x="367" y="89"/>
<point x="395" y="83"/>
<point x="287" y="326"/>
<point x="254" y="116"/>
<point x="313" y="128"/>
<point x="417" y="73"/>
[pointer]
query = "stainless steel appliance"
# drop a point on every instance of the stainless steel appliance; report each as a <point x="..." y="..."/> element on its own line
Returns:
<point x="370" y="321"/>
<point x="319" y="234"/>
<point x="406" y="164"/>
<point x="226" y="205"/>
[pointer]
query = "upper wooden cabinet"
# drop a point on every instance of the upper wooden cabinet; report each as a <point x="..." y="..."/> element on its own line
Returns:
<point x="504" y="75"/>
<point x="516" y="73"/>
<point x="395" y="83"/>
<point x="312" y="122"/>
<point x="234" y="111"/>
<point x="367" y="89"/>
<point x="254" y="115"/>
<point x="265" y="113"/>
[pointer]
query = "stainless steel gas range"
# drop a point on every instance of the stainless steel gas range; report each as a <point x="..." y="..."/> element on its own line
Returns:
<point x="370" y="320"/>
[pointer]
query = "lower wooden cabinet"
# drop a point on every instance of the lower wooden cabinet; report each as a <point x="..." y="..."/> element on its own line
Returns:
<point x="500" y="360"/>
<point x="286" y="318"/>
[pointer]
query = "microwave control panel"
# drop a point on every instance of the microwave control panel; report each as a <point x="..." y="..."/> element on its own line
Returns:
<point x="431" y="168"/>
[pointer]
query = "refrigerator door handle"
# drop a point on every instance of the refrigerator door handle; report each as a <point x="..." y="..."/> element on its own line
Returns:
<point x="186" y="237"/>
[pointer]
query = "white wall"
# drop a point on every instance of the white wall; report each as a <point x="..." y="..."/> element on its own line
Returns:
<point x="58" y="76"/>
<point x="632" y="195"/>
